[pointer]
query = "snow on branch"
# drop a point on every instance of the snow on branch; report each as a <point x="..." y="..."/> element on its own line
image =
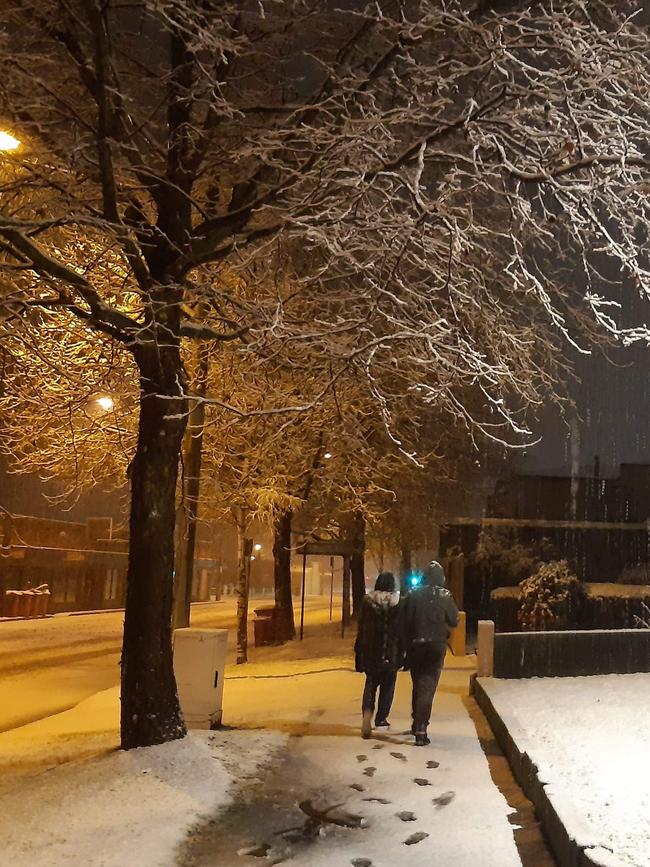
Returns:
<point x="400" y="194"/>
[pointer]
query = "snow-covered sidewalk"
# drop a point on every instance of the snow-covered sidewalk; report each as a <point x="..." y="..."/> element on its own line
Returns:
<point x="392" y="803"/>
<point x="590" y="741"/>
<point x="291" y="753"/>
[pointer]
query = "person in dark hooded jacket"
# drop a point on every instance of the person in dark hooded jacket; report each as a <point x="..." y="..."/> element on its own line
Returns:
<point x="378" y="649"/>
<point x="429" y="612"/>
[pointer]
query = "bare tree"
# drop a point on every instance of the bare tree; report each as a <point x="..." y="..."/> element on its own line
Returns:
<point x="431" y="162"/>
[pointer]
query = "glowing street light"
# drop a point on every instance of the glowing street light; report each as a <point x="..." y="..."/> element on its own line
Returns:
<point x="327" y="456"/>
<point x="258" y="547"/>
<point x="8" y="142"/>
<point x="105" y="402"/>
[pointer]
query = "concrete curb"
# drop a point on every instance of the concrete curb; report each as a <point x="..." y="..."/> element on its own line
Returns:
<point x="567" y="850"/>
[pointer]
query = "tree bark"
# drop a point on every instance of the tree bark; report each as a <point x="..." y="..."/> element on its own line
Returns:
<point x="190" y="506"/>
<point x="405" y="565"/>
<point x="244" y="548"/>
<point x="357" y="563"/>
<point x="286" y="628"/>
<point x="179" y="617"/>
<point x="150" y="708"/>
<point x="346" y="592"/>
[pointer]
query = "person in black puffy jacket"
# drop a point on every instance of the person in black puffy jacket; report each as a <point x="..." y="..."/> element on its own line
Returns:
<point x="378" y="649"/>
<point x="429" y="612"/>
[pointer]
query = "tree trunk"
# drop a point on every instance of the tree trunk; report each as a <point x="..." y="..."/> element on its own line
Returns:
<point x="244" y="548"/>
<point x="190" y="506"/>
<point x="405" y="565"/>
<point x="179" y="617"/>
<point x="286" y="628"/>
<point x="357" y="563"/>
<point x="346" y="591"/>
<point x="150" y="708"/>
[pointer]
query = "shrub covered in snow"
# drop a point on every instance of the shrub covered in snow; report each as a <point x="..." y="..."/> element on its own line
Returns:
<point x="550" y="598"/>
<point x="500" y="552"/>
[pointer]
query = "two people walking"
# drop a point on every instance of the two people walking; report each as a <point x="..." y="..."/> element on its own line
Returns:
<point x="410" y="633"/>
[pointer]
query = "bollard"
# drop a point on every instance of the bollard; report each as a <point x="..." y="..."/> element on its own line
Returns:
<point x="457" y="639"/>
<point x="485" y="649"/>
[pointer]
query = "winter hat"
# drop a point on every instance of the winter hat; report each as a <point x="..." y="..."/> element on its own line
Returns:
<point x="386" y="582"/>
<point x="434" y="574"/>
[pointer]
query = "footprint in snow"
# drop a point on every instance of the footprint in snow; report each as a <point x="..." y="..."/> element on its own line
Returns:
<point x="378" y="800"/>
<point x="444" y="799"/>
<point x="406" y="816"/>
<point x="358" y="787"/>
<point x="361" y="862"/>
<point x="378" y="747"/>
<point x="369" y="772"/>
<point x="362" y="759"/>
<point x="416" y="838"/>
<point x="433" y="764"/>
<point x="399" y="756"/>
<point x="419" y="781"/>
<point x="260" y="851"/>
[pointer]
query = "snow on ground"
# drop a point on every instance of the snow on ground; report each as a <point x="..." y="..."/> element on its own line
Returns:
<point x="89" y="729"/>
<point x="115" y="809"/>
<point x="29" y="644"/>
<point x="49" y="666"/>
<point x="69" y="796"/>
<point x="590" y="739"/>
<point x="442" y="798"/>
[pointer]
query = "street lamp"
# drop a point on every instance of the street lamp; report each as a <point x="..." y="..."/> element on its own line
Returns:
<point x="327" y="456"/>
<point x="8" y="142"/>
<point x="105" y="402"/>
<point x="258" y="547"/>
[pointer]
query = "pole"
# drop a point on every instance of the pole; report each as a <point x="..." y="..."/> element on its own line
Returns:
<point x="345" y="605"/>
<point x="331" y="586"/>
<point x="302" y="596"/>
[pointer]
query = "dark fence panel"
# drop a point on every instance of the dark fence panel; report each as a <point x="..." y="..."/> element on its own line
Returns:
<point x="604" y="606"/>
<point x="571" y="654"/>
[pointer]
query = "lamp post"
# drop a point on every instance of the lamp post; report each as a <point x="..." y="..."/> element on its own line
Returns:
<point x="8" y="142"/>
<point x="256" y="548"/>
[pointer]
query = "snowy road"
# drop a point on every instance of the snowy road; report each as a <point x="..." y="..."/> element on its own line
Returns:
<point x="48" y="666"/>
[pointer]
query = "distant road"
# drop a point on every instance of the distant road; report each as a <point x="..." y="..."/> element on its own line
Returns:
<point x="26" y="645"/>
<point x="48" y="666"/>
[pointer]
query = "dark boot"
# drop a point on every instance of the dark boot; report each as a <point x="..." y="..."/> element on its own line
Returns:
<point x="421" y="739"/>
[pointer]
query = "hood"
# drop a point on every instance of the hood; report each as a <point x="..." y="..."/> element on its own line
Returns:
<point x="383" y="598"/>
<point x="434" y="574"/>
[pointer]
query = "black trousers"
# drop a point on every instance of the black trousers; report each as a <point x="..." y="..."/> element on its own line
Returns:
<point x="384" y="681"/>
<point x="426" y="662"/>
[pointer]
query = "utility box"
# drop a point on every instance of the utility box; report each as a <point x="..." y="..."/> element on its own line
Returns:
<point x="199" y="666"/>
